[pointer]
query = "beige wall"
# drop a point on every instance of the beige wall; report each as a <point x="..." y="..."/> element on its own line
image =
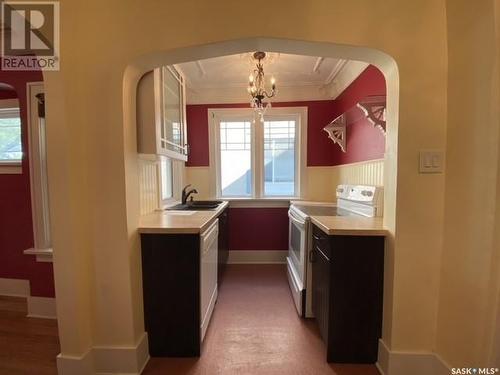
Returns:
<point x="93" y="162"/>
<point x="468" y="305"/>
<point x="321" y="181"/>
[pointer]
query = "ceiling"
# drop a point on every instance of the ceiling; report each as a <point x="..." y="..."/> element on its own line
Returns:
<point x="233" y="70"/>
<point x="224" y="79"/>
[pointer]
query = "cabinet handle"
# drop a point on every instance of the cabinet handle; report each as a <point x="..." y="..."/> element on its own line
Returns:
<point x="312" y="258"/>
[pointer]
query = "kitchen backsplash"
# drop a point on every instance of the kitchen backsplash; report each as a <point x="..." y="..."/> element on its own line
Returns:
<point x="364" y="173"/>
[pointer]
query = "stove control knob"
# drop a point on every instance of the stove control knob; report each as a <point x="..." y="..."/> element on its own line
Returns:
<point x="367" y="193"/>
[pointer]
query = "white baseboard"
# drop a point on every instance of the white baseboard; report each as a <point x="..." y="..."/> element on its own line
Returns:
<point x="257" y="256"/>
<point x="42" y="307"/>
<point x="74" y="365"/>
<point x="409" y="363"/>
<point x="14" y="287"/>
<point x="104" y="360"/>
<point x="122" y="360"/>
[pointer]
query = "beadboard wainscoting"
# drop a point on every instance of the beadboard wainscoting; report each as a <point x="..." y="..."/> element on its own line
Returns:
<point x="363" y="173"/>
<point x="148" y="184"/>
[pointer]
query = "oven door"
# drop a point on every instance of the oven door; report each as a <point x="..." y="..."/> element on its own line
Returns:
<point x="297" y="245"/>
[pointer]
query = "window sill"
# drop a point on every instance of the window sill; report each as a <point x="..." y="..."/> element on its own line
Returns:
<point x="42" y="255"/>
<point x="11" y="168"/>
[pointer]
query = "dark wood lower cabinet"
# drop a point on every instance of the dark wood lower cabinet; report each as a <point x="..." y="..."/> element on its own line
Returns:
<point x="347" y="294"/>
<point x="172" y="291"/>
<point x="171" y="285"/>
<point x="223" y="254"/>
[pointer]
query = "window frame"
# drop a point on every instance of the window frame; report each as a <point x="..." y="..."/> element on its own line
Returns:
<point x="218" y="115"/>
<point x="8" y="107"/>
<point x="39" y="188"/>
<point x="177" y="181"/>
<point x="297" y="146"/>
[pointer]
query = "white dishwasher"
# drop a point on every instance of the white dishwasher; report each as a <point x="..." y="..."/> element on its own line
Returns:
<point x="208" y="277"/>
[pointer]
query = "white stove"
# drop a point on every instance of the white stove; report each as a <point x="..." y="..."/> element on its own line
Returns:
<point x="352" y="200"/>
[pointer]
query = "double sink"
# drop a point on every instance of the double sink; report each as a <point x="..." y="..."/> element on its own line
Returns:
<point x="195" y="206"/>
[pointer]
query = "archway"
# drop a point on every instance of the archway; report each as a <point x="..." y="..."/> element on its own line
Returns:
<point x="382" y="61"/>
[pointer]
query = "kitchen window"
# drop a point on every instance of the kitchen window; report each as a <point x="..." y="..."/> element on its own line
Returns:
<point x="258" y="160"/>
<point x="166" y="179"/>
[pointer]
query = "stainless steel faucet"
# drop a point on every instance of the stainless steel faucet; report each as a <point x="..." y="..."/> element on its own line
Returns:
<point x="186" y="194"/>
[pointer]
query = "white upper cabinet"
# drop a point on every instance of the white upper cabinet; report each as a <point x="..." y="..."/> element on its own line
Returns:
<point x="161" y="114"/>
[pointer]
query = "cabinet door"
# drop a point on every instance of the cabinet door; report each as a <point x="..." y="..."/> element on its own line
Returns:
<point x="321" y="289"/>
<point x="223" y="243"/>
<point x="172" y="113"/>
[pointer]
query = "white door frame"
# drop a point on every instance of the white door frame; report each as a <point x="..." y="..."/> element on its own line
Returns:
<point x="38" y="176"/>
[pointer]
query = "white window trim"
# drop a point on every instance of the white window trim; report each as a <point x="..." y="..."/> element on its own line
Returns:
<point x="177" y="181"/>
<point x="38" y="179"/>
<point x="7" y="108"/>
<point x="258" y="199"/>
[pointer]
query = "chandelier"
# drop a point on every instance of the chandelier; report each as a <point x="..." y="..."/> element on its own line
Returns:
<point x="256" y="86"/>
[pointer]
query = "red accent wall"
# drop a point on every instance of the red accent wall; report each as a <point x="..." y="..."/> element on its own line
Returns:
<point x="319" y="114"/>
<point x="267" y="228"/>
<point x="7" y="94"/>
<point x="16" y="227"/>
<point x="364" y="141"/>
<point x="258" y="228"/>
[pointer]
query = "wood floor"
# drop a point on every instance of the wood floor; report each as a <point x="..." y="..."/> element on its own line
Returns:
<point x="255" y="330"/>
<point x="27" y="345"/>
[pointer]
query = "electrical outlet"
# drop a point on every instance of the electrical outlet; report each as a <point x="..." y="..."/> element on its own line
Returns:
<point x="431" y="161"/>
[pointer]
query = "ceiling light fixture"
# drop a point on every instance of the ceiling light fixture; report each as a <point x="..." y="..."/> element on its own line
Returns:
<point x="257" y="87"/>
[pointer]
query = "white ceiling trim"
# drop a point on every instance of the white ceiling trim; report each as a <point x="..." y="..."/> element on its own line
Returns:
<point x="238" y="95"/>
<point x="349" y="71"/>
<point x="335" y="71"/>
<point x="201" y="69"/>
<point x="342" y="75"/>
<point x="317" y="64"/>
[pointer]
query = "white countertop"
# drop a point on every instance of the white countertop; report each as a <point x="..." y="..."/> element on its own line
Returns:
<point x="350" y="225"/>
<point x="190" y="222"/>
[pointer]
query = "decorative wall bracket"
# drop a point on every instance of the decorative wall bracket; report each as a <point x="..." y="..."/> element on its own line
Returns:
<point x="337" y="131"/>
<point x="373" y="108"/>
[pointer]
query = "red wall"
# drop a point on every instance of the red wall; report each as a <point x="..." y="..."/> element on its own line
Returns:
<point x="364" y="141"/>
<point x="319" y="114"/>
<point x="258" y="228"/>
<point x="267" y="228"/>
<point x="16" y="227"/>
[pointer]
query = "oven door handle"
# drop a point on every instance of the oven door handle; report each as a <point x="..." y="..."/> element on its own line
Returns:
<point x="296" y="220"/>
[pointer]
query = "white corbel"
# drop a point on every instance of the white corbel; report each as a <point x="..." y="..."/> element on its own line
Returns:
<point x="373" y="107"/>
<point x="337" y="131"/>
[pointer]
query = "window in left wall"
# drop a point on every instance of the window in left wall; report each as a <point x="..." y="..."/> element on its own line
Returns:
<point x="10" y="136"/>
<point x="166" y="179"/>
<point x="11" y="152"/>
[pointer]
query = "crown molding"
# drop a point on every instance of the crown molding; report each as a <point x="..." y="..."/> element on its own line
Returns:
<point x="232" y="95"/>
<point x="343" y="76"/>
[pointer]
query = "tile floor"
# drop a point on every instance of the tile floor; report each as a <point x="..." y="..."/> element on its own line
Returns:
<point x="255" y="330"/>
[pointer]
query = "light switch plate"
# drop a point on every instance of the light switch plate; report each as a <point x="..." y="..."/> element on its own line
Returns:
<point x="431" y="161"/>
